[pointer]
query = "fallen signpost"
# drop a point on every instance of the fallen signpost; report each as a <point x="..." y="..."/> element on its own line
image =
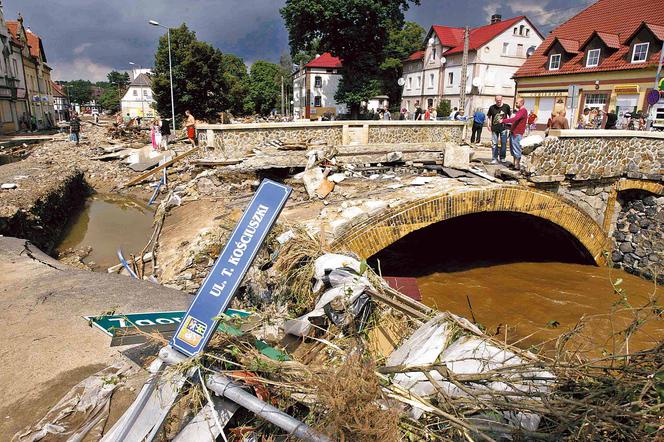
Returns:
<point x="144" y="418"/>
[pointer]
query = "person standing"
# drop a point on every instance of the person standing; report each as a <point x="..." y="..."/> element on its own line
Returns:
<point x="75" y="129"/>
<point x="518" y="123"/>
<point x="452" y="115"/>
<point x="611" y="120"/>
<point x="165" y="133"/>
<point x="498" y="112"/>
<point x="386" y="114"/>
<point x="418" y="110"/>
<point x="584" y="119"/>
<point x="190" y="124"/>
<point x="126" y="119"/>
<point x="155" y="133"/>
<point x="478" y="123"/>
<point x="559" y="121"/>
<point x="427" y="114"/>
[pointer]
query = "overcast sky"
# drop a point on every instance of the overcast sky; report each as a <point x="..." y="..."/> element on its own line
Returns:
<point x="88" y="38"/>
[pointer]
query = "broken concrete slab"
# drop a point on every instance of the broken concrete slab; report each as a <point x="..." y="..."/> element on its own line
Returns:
<point x="47" y="343"/>
<point x="547" y="178"/>
<point x="457" y="157"/>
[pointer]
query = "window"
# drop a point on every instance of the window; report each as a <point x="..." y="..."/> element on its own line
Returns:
<point x="450" y="78"/>
<point x="593" y="58"/>
<point x="433" y="55"/>
<point x="640" y="53"/>
<point x="527" y="32"/>
<point x="519" y="50"/>
<point x="521" y="30"/>
<point x="419" y="82"/>
<point x="515" y="31"/>
<point x="135" y="93"/>
<point x="506" y="48"/>
<point x="318" y="101"/>
<point x="596" y="101"/>
<point x="318" y="81"/>
<point x="431" y="79"/>
<point x="15" y="69"/>
<point x="410" y="83"/>
<point x="146" y="93"/>
<point x="554" y="62"/>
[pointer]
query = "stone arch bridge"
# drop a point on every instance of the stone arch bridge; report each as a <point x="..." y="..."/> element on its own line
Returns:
<point x="607" y="192"/>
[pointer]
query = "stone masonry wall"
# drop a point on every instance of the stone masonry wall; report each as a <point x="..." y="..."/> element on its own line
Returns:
<point x="639" y="234"/>
<point x="413" y="134"/>
<point x="591" y="198"/>
<point x="593" y="157"/>
<point x="236" y="141"/>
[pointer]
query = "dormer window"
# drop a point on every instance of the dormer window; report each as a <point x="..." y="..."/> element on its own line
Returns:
<point x="640" y="54"/>
<point x="554" y="62"/>
<point x="593" y="58"/>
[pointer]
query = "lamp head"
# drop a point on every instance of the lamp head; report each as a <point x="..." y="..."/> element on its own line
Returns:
<point x="154" y="22"/>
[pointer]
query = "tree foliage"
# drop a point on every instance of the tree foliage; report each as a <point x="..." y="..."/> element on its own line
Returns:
<point x="80" y="91"/>
<point x="110" y="99"/>
<point x="400" y="44"/>
<point x="357" y="31"/>
<point x="197" y="76"/>
<point x="119" y="80"/>
<point x="264" y="87"/>
<point x="235" y="83"/>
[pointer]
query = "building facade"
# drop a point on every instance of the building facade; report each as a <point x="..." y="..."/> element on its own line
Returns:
<point x="61" y="106"/>
<point x="314" y="86"/>
<point x="11" y="84"/>
<point x="138" y="101"/>
<point x="496" y="52"/>
<point x="611" y="55"/>
<point x="36" y="77"/>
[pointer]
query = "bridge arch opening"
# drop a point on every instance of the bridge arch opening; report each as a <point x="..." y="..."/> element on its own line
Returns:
<point x="480" y="240"/>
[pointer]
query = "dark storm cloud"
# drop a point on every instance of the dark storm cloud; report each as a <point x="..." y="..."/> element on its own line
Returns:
<point x="87" y="38"/>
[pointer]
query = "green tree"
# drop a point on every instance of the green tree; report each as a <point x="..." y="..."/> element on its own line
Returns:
<point x="264" y="87"/>
<point x="235" y="83"/>
<point x="356" y="31"/>
<point x="303" y="57"/>
<point x="444" y="108"/>
<point x="400" y="44"/>
<point x="118" y="79"/>
<point x="110" y="99"/>
<point x="79" y="91"/>
<point x="197" y="76"/>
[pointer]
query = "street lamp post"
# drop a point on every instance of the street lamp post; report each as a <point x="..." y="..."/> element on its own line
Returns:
<point x="141" y="89"/>
<point x="170" y="66"/>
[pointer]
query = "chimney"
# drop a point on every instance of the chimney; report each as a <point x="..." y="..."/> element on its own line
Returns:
<point x="495" y="18"/>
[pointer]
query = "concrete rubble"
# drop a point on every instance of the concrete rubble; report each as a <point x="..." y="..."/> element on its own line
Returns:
<point x="327" y="337"/>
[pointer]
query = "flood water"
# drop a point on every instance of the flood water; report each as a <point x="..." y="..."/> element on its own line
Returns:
<point x="108" y="223"/>
<point x="524" y="280"/>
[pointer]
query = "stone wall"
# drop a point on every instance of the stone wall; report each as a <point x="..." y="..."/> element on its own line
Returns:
<point x="639" y="234"/>
<point x="591" y="154"/>
<point x="592" y="197"/>
<point x="237" y="140"/>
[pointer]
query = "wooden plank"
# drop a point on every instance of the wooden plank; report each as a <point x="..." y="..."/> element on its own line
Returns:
<point x="143" y="176"/>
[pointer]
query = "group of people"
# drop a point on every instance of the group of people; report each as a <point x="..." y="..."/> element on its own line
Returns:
<point x="595" y="118"/>
<point x="503" y="126"/>
<point x="160" y="129"/>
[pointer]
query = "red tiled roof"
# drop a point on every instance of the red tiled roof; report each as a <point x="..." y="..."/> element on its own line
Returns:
<point x="448" y="36"/>
<point x="416" y="56"/>
<point x="12" y="26"/>
<point x="484" y="34"/>
<point x="324" y="61"/>
<point x="34" y="42"/>
<point x="608" y="17"/>
<point x="57" y="90"/>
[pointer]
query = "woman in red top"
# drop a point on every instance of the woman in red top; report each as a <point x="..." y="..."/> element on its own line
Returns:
<point x="518" y="122"/>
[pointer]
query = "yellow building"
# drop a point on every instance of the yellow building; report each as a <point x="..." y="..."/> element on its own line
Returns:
<point x="609" y="53"/>
<point x="37" y="76"/>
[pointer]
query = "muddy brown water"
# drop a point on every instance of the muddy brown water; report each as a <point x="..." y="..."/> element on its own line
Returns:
<point x="527" y="280"/>
<point x="107" y="223"/>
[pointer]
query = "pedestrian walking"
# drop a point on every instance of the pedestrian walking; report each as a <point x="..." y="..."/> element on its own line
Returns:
<point x="498" y="112"/>
<point x="138" y="120"/>
<point x="518" y="125"/>
<point x="190" y="124"/>
<point x="96" y="118"/>
<point x="478" y="123"/>
<point x="75" y="129"/>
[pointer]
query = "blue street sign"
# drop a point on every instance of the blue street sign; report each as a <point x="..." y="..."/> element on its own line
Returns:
<point x="218" y="289"/>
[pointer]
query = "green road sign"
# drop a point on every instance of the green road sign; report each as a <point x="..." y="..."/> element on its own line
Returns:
<point x="109" y="323"/>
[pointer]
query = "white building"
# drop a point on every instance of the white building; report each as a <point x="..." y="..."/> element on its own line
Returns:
<point x="496" y="51"/>
<point x="138" y="100"/>
<point x="314" y="86"/>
